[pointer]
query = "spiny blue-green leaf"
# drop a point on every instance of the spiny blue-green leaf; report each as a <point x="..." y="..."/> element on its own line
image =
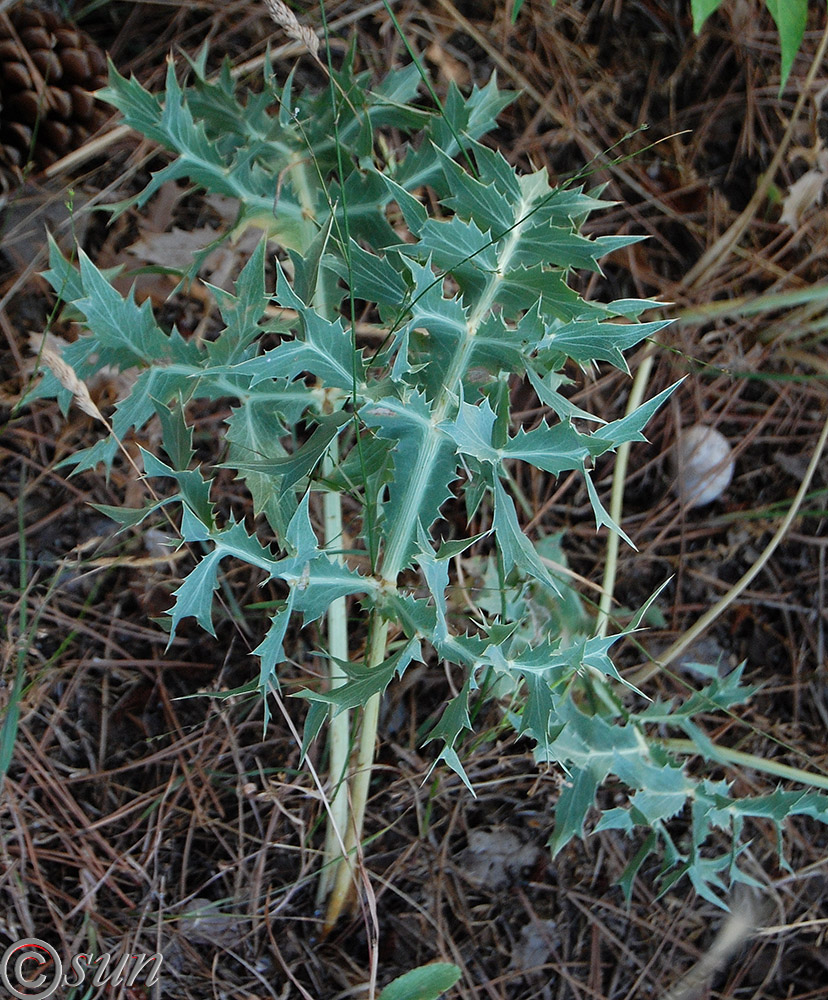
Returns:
<point x="326" y="354"/>
<point x="454" y="719"/>
<point x="451" y="549"/>
<point x="616" y="818"/>
<point x="515" y="547"/>
<point x="473" y="116"/>
<point x="315" y="717"/>
<point x="241" y="311"/>
<point x="458" y="248"/>
<point x="154" y="466"/>
<point x="324" y="351"/>
<point x="154" y="385"/>
<point x="780" y="804"/>
<point x="629" y="874"/>
<point x="663" y="790"/>
<point x="424" y="467"/>
<point x="364" y="471"/>
<point x="523" y="288"/>
<point x="414" y="212"/>
<point x="394" y="96"/>
<point x="198" y="157"/>
<point x="499" y="394"/>
<point x="101" y="453"/>
<point x="569" y="206"/>
<point x="306" y="266"/>
<point x="471" y="431"/>
<point x="228" y="168"/>
<point x="494" y="168"/>
<point x="193" y="528"/>
<point x="271" y="652"/>
<point x="371" y="277"/>
<point x="194" y="598"/>
<point x="721" y="693"/>
<point x="469" y="118"/>
<point x="416" y="616"/>
<point x="215" y="102"/>
<point x="435" y="572"/>
<point x="576" y="799"/>
<point x="554" y="449"/>
<point x="629" y="428"/>
<point x="140" y="109"/>
<point x="364" y="681"/>
<point x="450" y="757"/>
<point x="562" y="247"/>
<point x="176" y="435"/>
<point x="498" y="347"/>
<point x="195" y="490"/>
<point x="478" y="200"/>
<point x="300" y="536"/>
<point x="632" y="308"/>
<point x="538" y="712"/>
<point x="362" y="193"/>
<point x="322" y="582"/>
<point x="589" y="340"/>
<point x="594" y="652"/>
<point x="127" y="332"/>
<point x="593" y="741"/>
<point x="302" y="462"/>
<point x="436" y="328"/>
<point x="62" y="275"/>
<point x="602" y="517"/>
<point x="548" y="659"/>
<point x="704" y="873"/>
<point x="128" y="517"/>
<point x="253" y="434"/>
<point x="547" y="389"/>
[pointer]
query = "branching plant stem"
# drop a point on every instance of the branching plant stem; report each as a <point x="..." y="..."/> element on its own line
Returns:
<point x="756" y="763"/>
<point x="394" y="562"/>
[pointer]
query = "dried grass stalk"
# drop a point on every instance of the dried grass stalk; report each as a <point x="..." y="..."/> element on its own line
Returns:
<point x="285" y="18"/>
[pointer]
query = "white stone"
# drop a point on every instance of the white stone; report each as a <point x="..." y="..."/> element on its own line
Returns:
<point x="702" y="465"/>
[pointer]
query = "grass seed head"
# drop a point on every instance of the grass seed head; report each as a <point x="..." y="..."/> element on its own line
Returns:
<point x="285" y="18"/>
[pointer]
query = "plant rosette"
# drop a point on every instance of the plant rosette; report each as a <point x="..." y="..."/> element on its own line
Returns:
<point x="469" y="295"/>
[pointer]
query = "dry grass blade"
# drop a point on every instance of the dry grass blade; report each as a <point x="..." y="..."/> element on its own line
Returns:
<point x="286" y="19"/>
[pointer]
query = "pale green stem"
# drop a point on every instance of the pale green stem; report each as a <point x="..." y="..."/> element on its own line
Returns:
<point x="619" y="477"/>
<point x="751" y="760"/>
<point x="449" y="391"/>
<point x="339" y="731"/>
<point x="394" y="559"/>
<point x="346" y="870"/>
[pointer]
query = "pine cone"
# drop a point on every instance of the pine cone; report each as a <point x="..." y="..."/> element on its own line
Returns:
<point x="47" y="72"/>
